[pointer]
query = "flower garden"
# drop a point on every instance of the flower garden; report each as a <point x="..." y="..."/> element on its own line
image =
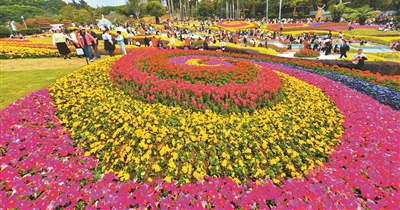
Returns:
<point x="316" y="26"/>
<point x="231" y="25"/>
<point x="202" y="129"/>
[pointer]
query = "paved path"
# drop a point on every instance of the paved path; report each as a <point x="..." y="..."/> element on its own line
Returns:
<point x="321" y="57"/>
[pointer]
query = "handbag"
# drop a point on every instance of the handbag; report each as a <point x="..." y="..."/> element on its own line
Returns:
<point x="79" y="51"/>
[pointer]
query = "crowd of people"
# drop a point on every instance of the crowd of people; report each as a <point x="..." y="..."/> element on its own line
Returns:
<point x="83" y="39"/>
<point x="86" y="39"/>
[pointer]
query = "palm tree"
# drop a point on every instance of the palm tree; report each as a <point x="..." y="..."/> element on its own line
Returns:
<point x="362" y="14"/>
<point x="180" y="10"/>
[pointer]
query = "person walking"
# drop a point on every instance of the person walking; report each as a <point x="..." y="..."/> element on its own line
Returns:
<point x="187" y="42"/>
<point x="171" y="42"/>
<point x="146" y="41"/>
<point x="130" y="38"/>
<point x="154" y="42"/>
<point x="59" y="41"/>
<point x="96" y="43"/>
<point x="87" y="43"/>
<point x="120" y="41"/>
<point x="222" y="45"/>
<point x="343" y="49"/>
<point x="109" y="45"/>
<point x="76" y="40"/>
<point x="245" y="40"/>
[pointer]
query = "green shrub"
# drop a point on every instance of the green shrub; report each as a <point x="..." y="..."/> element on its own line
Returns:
<point x="29" y="31"/>
<point x="4" y="31"/>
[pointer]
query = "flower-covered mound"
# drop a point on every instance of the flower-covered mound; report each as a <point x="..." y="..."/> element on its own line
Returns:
<point x="146" y="141"/>
<point x="308" y="26"/>
<point x="234" y="25"/>
<point x="41" y="169"/>
<point x="171" y="78"/>
<point x="307" y="53"/>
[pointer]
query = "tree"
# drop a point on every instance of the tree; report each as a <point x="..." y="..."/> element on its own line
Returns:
<point x="81" y="16"/>
<point x="155" y="8"/>
<point x="295" y="4"/>
<point x="362" y="14"/>
<point x="396" y="6"/>
<point x="375" y="4"/>
<point x="205" y="9"/>
<point x="53" y="6"/>
<point x="337" y="11"/>
<point x="14" y="12"/>
<point x="135" y="6"/>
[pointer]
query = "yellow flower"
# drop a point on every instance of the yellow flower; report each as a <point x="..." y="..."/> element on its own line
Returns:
<point x="168" y="178"/>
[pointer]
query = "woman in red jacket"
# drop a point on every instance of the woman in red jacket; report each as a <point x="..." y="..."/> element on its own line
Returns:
<point x="87" y="41"/>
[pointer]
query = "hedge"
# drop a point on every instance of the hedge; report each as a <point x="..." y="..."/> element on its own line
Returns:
<point x="4" y="31"/>
<point x="29" y="31"/>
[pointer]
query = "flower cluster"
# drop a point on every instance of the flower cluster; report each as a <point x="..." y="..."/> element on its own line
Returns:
<point x="8" y="52"/>
<point x="382" y="94"/>
<point x="234" y="25"/>
<point x="392" y="82"/>
<point x="41" y="169"/>
<point x="147" y="141"/>
<point x="307" y="53"/>
<point x="242" y="86"/>
<point x="200" y="68"/>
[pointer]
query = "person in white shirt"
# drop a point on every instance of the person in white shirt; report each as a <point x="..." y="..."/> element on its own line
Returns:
<point x="171" y="42"/>
<point x="76" y="39"/>
<point x="130" y="38"/>
<point x="222" y="45"/>
<point x="358" y="59"/>
<point x="109" y="45"/>
<point x="120" y="41"/>
<point x="59" y="41"/>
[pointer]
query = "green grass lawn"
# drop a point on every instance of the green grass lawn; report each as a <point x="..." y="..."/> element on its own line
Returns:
<point x="16" y="84"/>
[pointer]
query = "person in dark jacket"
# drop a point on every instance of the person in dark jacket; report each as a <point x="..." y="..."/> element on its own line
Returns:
<point x="146" y="42"/>
<point x="343" y="49"/>
<point x="96" y="43"/>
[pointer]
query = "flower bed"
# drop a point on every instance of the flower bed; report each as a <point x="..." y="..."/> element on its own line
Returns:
<point x="362" y="171"/>
<point x="230" y="86"/>
<point x="8" y="52"/>
<point x="308" y="26"/>
<point x="155" y="143"/>
<point x="236" y="25"/>
<point x="44" y="51"/>
<point x="307" y="53"/>
<point x="392" y="82"/>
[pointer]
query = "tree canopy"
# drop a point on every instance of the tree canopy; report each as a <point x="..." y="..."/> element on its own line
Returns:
<point x="155" y="8"/>
<point x="79" y="12"/>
